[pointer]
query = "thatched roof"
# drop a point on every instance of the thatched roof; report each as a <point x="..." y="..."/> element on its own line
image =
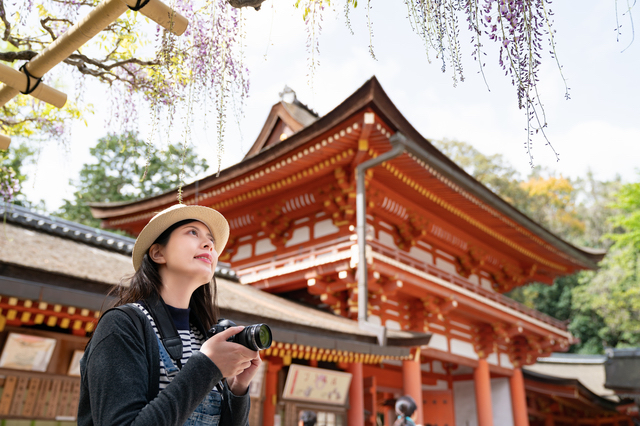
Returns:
<point x="38" y="250"/>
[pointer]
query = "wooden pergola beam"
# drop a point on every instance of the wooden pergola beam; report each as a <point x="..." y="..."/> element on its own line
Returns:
<point x="84" y="30"/>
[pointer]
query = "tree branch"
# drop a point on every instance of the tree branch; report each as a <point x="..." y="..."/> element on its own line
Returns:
<point x="44" y="21"/>
<point x="24" y="55"/>
<point x="7" y="25"/>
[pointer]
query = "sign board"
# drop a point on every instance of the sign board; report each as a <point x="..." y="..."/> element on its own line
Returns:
<point x="25" y="352"/>
<point x="316" y="385"/>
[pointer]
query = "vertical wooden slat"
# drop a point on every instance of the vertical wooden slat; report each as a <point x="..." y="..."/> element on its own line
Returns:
<point x="40" y="408"/>
<point x="18" y="396"/>
<point x="63" y="401"/>
<point x="7" y="394"/>
<point x="52" y="406"/>
<point x="75" y="399"/>
<point x="32" y="394"/>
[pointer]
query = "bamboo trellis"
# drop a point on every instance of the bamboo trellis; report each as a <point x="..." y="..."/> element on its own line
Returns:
<point x="28" y="81"/>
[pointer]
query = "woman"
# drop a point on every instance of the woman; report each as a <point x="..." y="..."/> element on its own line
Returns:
<point x="132" y="374"/>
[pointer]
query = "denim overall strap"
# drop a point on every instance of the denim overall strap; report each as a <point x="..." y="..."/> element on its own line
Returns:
<point x="169" y="366"/>
<point x="207" y="413"/>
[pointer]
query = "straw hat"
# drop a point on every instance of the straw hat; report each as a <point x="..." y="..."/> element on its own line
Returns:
<point x="216" y="223"/>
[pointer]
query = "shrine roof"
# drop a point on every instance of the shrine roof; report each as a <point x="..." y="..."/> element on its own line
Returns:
<point x="588" y="369"/>
<point x="554" y="386"/>
<point x="473" y="199"/>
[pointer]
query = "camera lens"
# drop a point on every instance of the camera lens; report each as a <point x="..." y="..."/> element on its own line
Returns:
<point x="255" y="337"/>
<point x="264" y="336"/>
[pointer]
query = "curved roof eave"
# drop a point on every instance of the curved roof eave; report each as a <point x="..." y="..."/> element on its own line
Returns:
<point x="369" y="95"/>
<point x="561" y="381"/>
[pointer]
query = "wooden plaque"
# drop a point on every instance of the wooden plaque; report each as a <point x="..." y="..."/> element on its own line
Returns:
<point x="18" y="396"/>
<point x="63" y="402"/>
<point x="40" y="408"/>
<point x="32" y="394"/>
<point x="52" y="406"/>
<point x="7" y="394"/>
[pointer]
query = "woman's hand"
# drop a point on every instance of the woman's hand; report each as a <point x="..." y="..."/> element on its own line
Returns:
<point x="240" y="383"/>
<point x="231" y="358"/>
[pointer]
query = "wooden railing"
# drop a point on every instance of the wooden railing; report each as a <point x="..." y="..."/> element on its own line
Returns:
<point x="344" y="244"/>
<point x="464" y="283"/>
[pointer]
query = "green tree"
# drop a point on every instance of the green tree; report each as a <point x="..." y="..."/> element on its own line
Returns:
<point x="614" y="290"/>
<point x="118" y="170"/>
<point x="601" y="307"/>
<point x="491" y="170"/>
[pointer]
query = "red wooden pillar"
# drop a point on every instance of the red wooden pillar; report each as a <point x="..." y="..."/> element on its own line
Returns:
<point x="271" y="391"/>
<point x="518" y="399"/>
<point x="412" y="384"/>
<point x="355" y="414"/>
<point x="548" y="421"/>
<point x="482" y="380"/>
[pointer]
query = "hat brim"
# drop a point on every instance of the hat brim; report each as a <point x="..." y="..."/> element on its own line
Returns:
<point x="216" y="223"/>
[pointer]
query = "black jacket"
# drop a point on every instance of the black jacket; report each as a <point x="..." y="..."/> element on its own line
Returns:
<point x="120" y="377"/>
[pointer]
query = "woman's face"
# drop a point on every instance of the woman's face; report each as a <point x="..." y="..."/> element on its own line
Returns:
<point x="189" y="253"/>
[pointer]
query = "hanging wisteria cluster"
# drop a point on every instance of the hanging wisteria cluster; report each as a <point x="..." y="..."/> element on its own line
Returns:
<point x="9" y="184"/>
<point x="144" y="67"/>
<point x="521" y="30"/>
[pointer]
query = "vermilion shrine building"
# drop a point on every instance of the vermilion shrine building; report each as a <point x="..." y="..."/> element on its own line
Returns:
<point x="440" y="250"/>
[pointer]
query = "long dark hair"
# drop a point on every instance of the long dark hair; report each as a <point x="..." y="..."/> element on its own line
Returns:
<point x="146" y="281"/>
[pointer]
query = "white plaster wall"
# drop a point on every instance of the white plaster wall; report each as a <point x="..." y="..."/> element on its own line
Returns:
<point x="440" y="385"/>
<point x="464" y="349"/>
<point x="505" y="362"/>
<point x="421" y="255"/>
<point x="264" y="246"/>
<point x="464" y="403"/>
<point x="486" y="284"/>
<point x="438" y="368"/>
<point x="386" y="239"/>
<point x="493" y="358"/>
<point x="324" y="227"/>
<point x="501" y="402"/>
<point x="300" y="235"/>
<point x="474" y="279"/>
<point x="446" y="266"/>
<point x="439" y="341"/>
<point x="392" y="325"/>
<point x="244" y="252"/>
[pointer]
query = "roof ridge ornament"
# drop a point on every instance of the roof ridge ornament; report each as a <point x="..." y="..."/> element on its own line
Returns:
<point x="288" y="95"/>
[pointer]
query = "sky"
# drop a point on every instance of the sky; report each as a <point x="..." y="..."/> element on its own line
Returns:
<point x="597" y="129"/>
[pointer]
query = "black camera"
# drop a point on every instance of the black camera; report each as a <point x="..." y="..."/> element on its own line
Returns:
<point x="255" y="337"/>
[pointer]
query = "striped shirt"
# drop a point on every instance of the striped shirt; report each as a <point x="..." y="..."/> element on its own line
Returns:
<point x="192" y="340"/>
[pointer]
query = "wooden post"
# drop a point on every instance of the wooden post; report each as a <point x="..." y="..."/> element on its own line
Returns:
<point x="518" y="399"/>
<point x="412" y="384"/>
<point x="482" y="380"/>
<point x="355" y="415"/>
<point x="271" y="391"/>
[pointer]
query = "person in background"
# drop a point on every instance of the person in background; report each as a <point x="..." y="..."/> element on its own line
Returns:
<point x="405" y="407"/>
<point x="307" y="418"/>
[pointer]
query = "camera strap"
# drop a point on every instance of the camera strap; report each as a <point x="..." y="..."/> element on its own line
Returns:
<point x="164" y="323"/>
